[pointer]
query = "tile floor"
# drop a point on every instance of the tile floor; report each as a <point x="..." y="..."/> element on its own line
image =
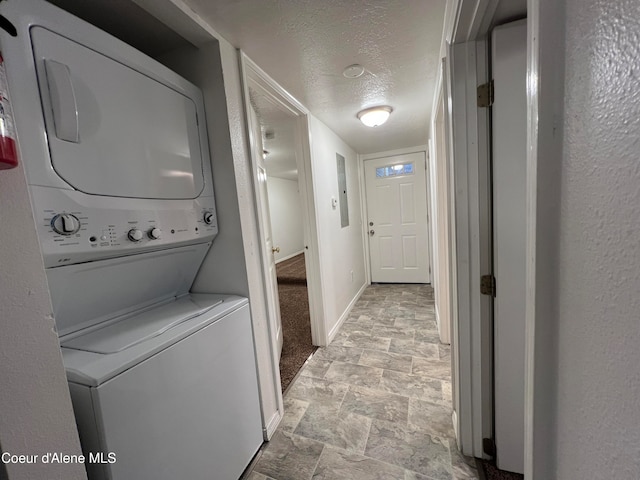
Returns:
<point x="376" y="403"/>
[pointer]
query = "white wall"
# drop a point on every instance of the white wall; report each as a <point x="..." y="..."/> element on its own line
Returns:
<point x="286" y="216"/>
<point x="233" y="263"/>
<point x="589" y="241"/>
<point x="341" y="249"/>
<point x="226" y="253"/>
<point x="36" y="414"/>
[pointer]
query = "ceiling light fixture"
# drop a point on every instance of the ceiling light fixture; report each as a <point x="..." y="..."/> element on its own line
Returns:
<point x="376" y="116"/>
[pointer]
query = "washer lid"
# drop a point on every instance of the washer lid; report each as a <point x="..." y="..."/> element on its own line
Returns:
<point x="139" y="328"/>
<point x="87" y="294"/>
<point x="94" y="369"/>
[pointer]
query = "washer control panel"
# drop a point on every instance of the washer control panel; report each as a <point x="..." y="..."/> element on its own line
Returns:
<point x="135" y="235"/>
<point x="154" y="233"/>
<point x="65" y="224"/>
<point x="75" y="228"/>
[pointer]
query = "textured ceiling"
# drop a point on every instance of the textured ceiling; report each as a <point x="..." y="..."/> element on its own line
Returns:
<point x="305" y="44"/>
<point x="278" y="128"/>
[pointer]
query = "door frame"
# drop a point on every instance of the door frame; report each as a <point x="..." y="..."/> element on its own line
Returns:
<point x="441" y="192"/>
<point x="263" y="215"/>
<point x="472" y="226"/>
<point x="363" y="200"/>
<point x="468" y="21"/>
<point x="254" y="76"/>
<point x="508" y="313"/>
<point x="465" y="49"/>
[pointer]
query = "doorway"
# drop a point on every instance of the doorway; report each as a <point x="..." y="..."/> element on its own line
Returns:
<point x="277" y="131"/>
<point x="467" y="68"/>
<point x="397" y="219"/>
<point x="282" y="185"/>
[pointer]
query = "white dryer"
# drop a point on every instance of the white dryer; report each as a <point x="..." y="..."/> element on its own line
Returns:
<point x="116" y="154"/>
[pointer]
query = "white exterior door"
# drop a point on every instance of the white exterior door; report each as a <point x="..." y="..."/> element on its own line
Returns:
<point x="397" y="218"/>
<point x="509" y="131"/>
<point x="264" y="219"/>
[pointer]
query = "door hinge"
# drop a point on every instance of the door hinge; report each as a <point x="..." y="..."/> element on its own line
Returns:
<point x="488" y="285"/>
<point x="489" y="447"/>
<point x="485" y="94"/>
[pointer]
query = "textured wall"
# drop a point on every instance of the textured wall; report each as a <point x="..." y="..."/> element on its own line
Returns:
<point x="286" y="216"/>
<point x="341" y="249"/>
<point x="598" y="404"/>
<point x="36" y="415"/>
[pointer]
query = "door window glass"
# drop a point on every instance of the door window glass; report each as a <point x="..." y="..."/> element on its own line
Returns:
<point x="394" y="170"/>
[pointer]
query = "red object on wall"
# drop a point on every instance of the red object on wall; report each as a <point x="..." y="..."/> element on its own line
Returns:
<point x="8" y="151"/>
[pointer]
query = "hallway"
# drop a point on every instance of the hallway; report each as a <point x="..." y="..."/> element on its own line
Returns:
<point x="376" y="403"/>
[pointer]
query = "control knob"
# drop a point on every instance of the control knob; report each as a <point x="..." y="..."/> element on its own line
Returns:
<point x="208" y="218"/>
<point x="154" y="233"/>
<point x="135" y="235"/>
<point x="65" y="224"/>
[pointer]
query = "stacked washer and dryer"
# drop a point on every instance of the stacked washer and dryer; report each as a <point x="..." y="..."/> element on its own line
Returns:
<point x="116" y="154"/>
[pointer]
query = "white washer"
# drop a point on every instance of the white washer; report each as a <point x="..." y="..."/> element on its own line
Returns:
<point x="162" y="404"/>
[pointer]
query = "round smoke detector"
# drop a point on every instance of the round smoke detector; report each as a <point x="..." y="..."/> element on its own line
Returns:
<point x="353" y="71"/>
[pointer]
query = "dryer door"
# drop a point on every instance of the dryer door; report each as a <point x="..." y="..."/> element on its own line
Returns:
<point x="113" y="130"/>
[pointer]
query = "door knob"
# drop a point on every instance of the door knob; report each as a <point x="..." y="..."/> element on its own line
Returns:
<point x="275" y="249"/>
<point x="371" y="233"/>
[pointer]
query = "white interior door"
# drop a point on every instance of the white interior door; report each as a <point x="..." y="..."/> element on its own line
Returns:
<point x="509" y="131"/>
<point x="396" y="189"/>
<point x="269" y="263"/>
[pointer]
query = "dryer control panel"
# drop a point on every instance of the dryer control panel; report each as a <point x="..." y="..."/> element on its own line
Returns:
<point x="74" y="227"/>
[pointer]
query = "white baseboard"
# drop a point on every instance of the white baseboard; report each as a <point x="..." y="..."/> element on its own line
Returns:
<point x="454" y="419"/>
<point x="445" y="339"/>
<point x="289" y="256"/>
<point x="345" y="314"/>
<point x="272" y="425"/>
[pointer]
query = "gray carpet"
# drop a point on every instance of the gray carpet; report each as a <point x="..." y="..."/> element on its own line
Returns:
<point x="294" y="312"/>
<point x="491" y="472"/>
<point x="292" y="271"/>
